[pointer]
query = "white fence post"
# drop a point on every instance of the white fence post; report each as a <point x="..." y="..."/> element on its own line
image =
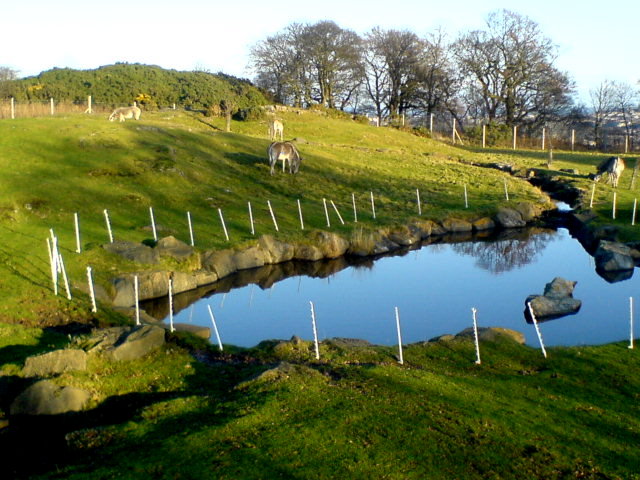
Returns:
<point x="52" y="108"/>
<point x="373" y="206"/>
<point x="535" y="324"/>
<point x="315" y="330"/>
<point x="326" y="212"/>
<point x="399" y="337"/>
<point x="475" y="334"/>
<point x="153" y="225"/>
<point x="337" y="212"/>
<point x="190" y="228"/>
<point x="419" y="203"/>
<point x="300" y="215"/>
<point x="543" y="137"/>
<point x="355" y="212"/>
<point x="108" y="222"/>
<point x="224" y="225"/>
<point x="273" y="216"/>
<point x="215" y="327"/>
<point x="13" y="108"/>
<point x="76" y="224"/>
<point x="92" y="293"/>
<point x="253" y="230"/>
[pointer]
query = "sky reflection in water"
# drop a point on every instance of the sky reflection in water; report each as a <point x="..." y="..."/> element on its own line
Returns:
<point x="434" y="288"/>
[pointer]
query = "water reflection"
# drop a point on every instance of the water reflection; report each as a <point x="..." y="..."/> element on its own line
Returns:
<point x="435" y="285"/>
<point x="501" y="256"/>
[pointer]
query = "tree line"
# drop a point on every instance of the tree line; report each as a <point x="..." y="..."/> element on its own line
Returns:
<point x="504" y="73"/>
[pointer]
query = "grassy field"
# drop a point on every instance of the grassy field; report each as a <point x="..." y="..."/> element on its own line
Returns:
<point x="354" y="414"/>
<point x="275" y="412"/>
<point x="53" y="168"/>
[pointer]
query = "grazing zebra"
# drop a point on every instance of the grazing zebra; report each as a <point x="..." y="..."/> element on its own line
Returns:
<point x="285" y="151"/>
<point x="125" y="112"/>
<point x="276" y="128"/>
<point x="613" y="167"/>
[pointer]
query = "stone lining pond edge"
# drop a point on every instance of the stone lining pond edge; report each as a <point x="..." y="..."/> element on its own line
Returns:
<point x="214" y="265"/>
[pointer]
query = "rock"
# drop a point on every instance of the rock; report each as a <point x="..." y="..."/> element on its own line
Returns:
<point x="220" y="262"/>
<point x="137" y="343"/>
<point x="613" y="256"/>
<point x="556" y="302"/>
<point x="330" y="244"/>
<point x="404" y="235"/>
<point x="559" y="287"/>
<point x="528" y="211"/>
<point x="182" y="282"/>
<point x="509" y="218"/>
<point x="174" y="248"/>
<point x="274" y="250"/>
<point x="307" y="252"/>
<point x="150" y="285"/>
<point x="203" y="277"/>
<point x="136" y="252"/>
<point x="56" y="362"/>
<point x="249" y="258"/>
<point x="197" y="330"/>
<point x="424" y="227"/>
<point x="455" y="225"/>
<point x="46" y="398"/>
<point x="492" y="334"/>
<point x="483" y="224"/>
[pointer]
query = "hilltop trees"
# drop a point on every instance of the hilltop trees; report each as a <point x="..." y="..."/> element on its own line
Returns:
<point x="306" y="64"/>
<point x="509" y="69"/>
<point x="504" y="72"/>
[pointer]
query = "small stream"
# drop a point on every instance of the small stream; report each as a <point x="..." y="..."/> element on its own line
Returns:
<point x="434" y="287"/>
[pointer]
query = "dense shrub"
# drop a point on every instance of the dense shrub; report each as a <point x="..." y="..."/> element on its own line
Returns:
<point x="150" y="86"/>
<point x="495" y="134"/>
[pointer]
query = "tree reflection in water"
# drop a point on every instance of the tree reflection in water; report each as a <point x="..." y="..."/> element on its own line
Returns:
<point x="513" y="251"/>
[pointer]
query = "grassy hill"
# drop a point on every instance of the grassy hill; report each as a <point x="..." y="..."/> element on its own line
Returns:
<point x="354" y="414"/>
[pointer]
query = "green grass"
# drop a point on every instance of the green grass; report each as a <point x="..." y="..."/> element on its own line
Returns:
<point x="55" y="167"/>
<point x="355" y="413"/>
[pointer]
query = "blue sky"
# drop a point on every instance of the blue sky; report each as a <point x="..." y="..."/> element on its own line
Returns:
<point x="597" y="40"/>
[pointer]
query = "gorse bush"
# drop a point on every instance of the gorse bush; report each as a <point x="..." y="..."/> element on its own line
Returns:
<point x="151" y="86"/>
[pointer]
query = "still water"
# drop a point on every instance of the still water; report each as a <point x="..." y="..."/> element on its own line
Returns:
<point x="434" y="287"/>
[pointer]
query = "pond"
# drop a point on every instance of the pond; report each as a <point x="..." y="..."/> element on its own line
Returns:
<point x="434" y="286"/>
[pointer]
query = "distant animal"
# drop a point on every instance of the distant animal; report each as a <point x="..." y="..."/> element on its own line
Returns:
<point x="287" y="152"/>
<point x="125" y="112"/>
<point x="276" y="128"/>
<point x="613" y="167"/>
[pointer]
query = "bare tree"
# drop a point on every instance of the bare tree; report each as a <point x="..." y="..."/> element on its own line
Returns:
<point x="602" y="105"/>
<point x="333" y="55"/>
<point x="402" y="53"/>
<point x="625" y="100"/>
<point x="510" y="66"/>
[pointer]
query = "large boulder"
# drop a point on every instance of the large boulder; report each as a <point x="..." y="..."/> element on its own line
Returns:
<point x="275" y="251"/>
<point x="509" y="218"/>
<point x="136" y="252"/>
<point x="405" y="235"/>
<point x="456" y="225"/>
<point x="220" y="262"/>
<point x="307" y="252"/>
<point x="613" y="257"/>
<point x="483" y="224"/>
<point x="47" y="398"/>
<point x="137" y="343"/>
<point x="330" y="244"/>
<point x="174" y="248"/>
<point x="556" y="302"/>
<point x="56" y="362"/>
<point x="252" y="257"/>
<point x="150" y="285"/>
